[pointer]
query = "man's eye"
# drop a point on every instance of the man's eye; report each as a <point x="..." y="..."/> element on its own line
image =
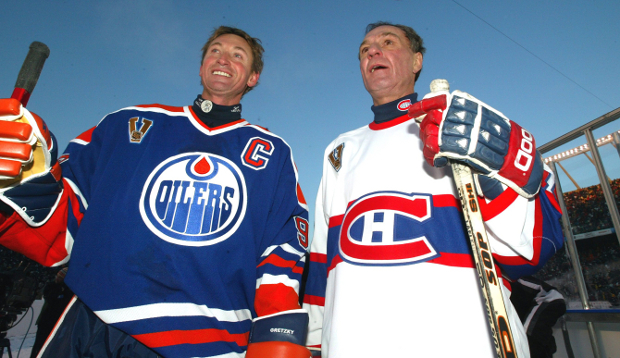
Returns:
<point x="388" y="42"/>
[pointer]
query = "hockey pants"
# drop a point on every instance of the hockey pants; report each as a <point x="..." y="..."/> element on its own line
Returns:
<point x="79" y="333"/>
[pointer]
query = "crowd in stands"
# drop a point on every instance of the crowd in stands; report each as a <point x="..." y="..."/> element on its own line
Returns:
<point x="601" y="270"/>
<point x="599" y="256"/>
<point x="587" y="209"/>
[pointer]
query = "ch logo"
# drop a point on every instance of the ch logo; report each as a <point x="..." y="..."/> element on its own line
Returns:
<point x="384" y="229"/>
<point x="136" y="134"/>
<point x="256" y="153"/>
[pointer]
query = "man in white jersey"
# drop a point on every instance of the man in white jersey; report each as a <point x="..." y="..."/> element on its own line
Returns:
<point x="391" y="271"/>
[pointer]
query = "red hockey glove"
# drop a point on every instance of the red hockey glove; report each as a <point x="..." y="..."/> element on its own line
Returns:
<point x="22" y="133"/>
<point x="29" y="173"/>
<point x="280" y="335"/>
<point x="470" y="131"/>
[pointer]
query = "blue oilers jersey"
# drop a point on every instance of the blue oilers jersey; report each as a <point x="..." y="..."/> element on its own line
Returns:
<point x="391" y="263"/>
<point x="180" y="234"/>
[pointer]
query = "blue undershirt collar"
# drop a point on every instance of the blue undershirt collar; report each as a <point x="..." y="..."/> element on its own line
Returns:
<point x="214" y="115"/>
<point x="394" y="109"/>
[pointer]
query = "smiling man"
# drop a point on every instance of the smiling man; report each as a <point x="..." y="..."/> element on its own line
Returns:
<point x="391" y="272"/>
<point x="184" y="228"/>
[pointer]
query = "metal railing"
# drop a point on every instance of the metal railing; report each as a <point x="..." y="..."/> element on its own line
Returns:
<point x="585" y="130"/>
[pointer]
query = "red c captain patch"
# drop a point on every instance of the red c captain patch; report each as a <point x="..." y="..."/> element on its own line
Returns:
<point x="256" y="153"/>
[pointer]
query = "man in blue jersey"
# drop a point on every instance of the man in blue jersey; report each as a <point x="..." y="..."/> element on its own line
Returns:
<point x="390" y="249"/>
<point x="184" y="227"/>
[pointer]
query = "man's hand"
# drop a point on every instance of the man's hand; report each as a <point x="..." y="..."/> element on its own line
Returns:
<point x="467" y="130"/>
<point x="29" y="172"/>
<point x="16" y="139"/>
<point x="25" y="142"/>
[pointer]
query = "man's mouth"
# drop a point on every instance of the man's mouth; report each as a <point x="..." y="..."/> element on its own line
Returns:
<point x="376" y="67"/>
<point x="221" y="73"/>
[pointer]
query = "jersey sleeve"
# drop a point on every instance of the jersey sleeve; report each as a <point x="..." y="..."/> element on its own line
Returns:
<point x="318" y="268"/>
<point x="524" y="233"/>
<point x="51" y="244"/>
<point x="282" y="254"/>
<point x="314" y="297"/>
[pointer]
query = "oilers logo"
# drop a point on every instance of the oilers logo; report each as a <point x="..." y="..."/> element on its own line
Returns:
<point x="194" y="199"/>
<point x="385" y="229"/>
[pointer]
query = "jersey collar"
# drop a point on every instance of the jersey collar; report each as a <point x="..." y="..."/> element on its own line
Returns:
<point x="214" y="115"/>
<point x="392" y="113"/>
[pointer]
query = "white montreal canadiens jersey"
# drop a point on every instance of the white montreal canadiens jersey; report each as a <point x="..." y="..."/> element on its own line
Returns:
<point x="391" y="271"/>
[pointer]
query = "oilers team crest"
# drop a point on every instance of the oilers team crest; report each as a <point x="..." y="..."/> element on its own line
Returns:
<point x="384" y="229"/>
<point x="194" y="199"/>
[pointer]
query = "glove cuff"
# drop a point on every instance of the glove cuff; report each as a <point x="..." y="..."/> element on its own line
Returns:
<point x="288" y="326"/>
<point x="280" y="335"/>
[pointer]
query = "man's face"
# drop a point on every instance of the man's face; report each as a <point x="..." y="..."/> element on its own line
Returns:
<point x="226" y="70"/>
<point x="388" y="64"/>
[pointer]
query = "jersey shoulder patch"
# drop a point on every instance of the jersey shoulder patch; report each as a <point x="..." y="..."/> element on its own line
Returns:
<point x="335" y="157"/>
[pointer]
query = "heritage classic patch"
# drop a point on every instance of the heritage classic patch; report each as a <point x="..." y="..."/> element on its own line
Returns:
<point x="194" y="199"/>
<point x="335" y="157"/>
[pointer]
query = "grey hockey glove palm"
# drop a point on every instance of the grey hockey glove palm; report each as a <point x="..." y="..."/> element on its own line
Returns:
<point x="470" y="131"/>
<point x="29" y="172"/>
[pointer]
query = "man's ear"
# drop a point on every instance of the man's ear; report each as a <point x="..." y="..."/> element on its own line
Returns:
<point x="417" y="62"/>
<point x="253" y="79"/>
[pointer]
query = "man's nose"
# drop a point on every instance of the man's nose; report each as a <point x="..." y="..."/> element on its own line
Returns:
<point x="374" y="50"/>
<point x="224" y="59"/>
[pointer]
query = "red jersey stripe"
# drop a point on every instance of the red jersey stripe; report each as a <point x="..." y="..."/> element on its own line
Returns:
<point x="455" y="260"/>
<point x="276" y="298"/>
<point x="394" y="122"/>
<point x="280" y="262"/>
<point x="335" y="221"/>
<point x="199" y="336"/>
<point x="314" y="300"/>
<point x="498" y="205"/>
<point x="86" y="136"/>
<point x="444" y="200"/>
<point x="175" y="109"/>
<point x="320" y="258"/>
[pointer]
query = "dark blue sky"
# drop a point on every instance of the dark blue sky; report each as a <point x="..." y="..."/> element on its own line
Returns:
<point x="561" y="73"/>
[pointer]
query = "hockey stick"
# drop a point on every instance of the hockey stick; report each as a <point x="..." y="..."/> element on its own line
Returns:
<point x="26" y="81"/>
<point x="30" y="71"/>
<point x="489" y="282"/>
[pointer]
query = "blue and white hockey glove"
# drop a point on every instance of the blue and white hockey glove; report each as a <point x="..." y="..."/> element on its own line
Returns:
<point x="30" y="176"/>
<point x="472" y="132"/>
<point x="280" y="335"/>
